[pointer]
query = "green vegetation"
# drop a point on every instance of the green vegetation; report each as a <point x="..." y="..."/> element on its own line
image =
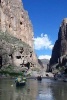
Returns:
<point x="11" y="73"/>
<point x="9" y="68"/>
<point x="11" y="39"/>
<point x="59" y="68"/>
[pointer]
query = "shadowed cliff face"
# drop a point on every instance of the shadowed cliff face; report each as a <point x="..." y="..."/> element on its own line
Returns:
<point x="60" y="47"/>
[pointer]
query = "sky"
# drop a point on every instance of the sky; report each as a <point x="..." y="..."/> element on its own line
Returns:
<point x="46" y="17"/>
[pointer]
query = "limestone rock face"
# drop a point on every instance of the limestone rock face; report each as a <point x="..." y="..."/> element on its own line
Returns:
<point x="15" y="20"/>
<point x="15" y="53"/>
<point x="60" y="47"/>
<point x="16" y="36"/>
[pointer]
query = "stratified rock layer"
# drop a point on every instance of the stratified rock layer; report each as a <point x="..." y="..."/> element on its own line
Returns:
<point x="60" y="47"/>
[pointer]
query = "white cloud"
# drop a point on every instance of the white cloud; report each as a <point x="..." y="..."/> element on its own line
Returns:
<point x="42" y="42"/>
<point x="45" y="57"/>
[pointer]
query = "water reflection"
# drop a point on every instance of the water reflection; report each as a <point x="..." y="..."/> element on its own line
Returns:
<point x="28" y="92"/>
<point x="60" y="91"/>
<point x="34" y="90"/>
<point x="44" y="91"/>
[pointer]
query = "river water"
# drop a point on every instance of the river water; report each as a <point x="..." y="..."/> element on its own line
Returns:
<point x="34" y="90"/>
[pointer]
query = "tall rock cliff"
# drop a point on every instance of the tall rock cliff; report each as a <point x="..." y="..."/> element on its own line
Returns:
<point x="16" y="36"/>
<point x="60" y="47"/>
<point x="15" y="20"/>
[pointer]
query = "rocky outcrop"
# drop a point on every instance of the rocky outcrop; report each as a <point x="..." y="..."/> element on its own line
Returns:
<point x="16" y="37"/>
<point x="15" y="55"/>
<point x="60" y="47"/>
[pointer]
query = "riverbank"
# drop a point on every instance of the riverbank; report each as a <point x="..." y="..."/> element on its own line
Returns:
<point x="4" y="77"/>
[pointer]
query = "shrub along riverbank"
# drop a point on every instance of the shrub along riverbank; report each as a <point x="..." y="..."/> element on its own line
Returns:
<point x="12" y="74"/>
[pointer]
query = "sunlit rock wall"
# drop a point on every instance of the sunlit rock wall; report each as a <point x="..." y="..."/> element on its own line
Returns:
<point x="15" y="20"/>
<point x="15" y="25"/>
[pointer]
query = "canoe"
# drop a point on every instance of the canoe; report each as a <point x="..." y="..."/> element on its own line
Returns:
<point x="22" y="83"/>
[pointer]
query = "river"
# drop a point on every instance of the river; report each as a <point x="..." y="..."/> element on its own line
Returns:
<point x="34" y="90"/>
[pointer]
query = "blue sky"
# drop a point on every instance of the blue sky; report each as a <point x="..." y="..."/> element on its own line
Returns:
<point x="46" y="17"/>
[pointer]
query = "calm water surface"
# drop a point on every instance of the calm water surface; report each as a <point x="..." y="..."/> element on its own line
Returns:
<point x="34" y="90"/>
